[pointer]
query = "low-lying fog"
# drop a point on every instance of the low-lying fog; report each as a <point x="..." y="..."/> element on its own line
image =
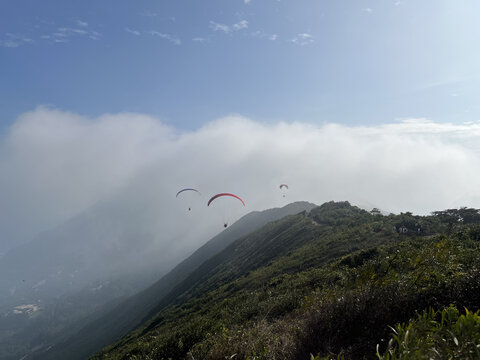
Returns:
<point x="56" y="165"/>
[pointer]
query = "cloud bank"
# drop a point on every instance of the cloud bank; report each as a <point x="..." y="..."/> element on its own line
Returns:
<point x="57" y="164"/>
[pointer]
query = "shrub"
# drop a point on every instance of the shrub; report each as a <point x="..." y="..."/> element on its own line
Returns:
<point x="434" y="335"/>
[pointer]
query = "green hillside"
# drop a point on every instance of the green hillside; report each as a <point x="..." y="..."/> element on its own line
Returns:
<point x="325" y="283"/>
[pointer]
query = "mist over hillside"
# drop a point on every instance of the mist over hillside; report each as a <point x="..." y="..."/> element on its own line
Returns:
<point x="59" y="165"/>
<point x="75" y="273"/>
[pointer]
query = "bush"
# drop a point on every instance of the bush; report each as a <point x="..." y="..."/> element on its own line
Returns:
<point x="434" y="335"/>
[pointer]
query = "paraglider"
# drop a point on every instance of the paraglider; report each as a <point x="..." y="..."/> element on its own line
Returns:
<point x="225" y="223"/>
<point x="224" y="194"/>
<point x="283" y="186"/>
<point x="188" y="189"/>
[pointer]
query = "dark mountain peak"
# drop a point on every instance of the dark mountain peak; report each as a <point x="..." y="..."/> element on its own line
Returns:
<point x="335" y="205"/>
<point x="339" y="213"/>
<point x="300" y="205"/>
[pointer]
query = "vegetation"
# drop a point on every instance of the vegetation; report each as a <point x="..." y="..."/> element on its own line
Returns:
<point x="444" y="334"/>
<point x="337" y="282"/>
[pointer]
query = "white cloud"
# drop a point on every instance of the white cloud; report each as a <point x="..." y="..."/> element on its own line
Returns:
<point x="70" y="31"/>
<point x="243" y="24"/>
<point x="14" y="40"/>
<point x="39" y="173"/>
<point x="263" y="35"/>
<point x="173" y="39"/>
<point x="66" y="34"/>
<point x="369" y="10"/>
<point x="303" y="39"/>
<point x="94" y="35"/>
<point x="82" y="23"/>
<point x="219" y="27"/>
<point x="247" y="1"/>
<point x="57" y="164"/>
<point x="227" y="29"/>
<point x="134" y="32"/>
<point x="199" y="39"/>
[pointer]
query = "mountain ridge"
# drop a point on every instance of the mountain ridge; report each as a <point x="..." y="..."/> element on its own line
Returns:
<point x="245" y="299"/>
<point x="128" y="314"/>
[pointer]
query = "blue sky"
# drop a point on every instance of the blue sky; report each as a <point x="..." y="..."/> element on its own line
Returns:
<point x="189" y="62"/>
